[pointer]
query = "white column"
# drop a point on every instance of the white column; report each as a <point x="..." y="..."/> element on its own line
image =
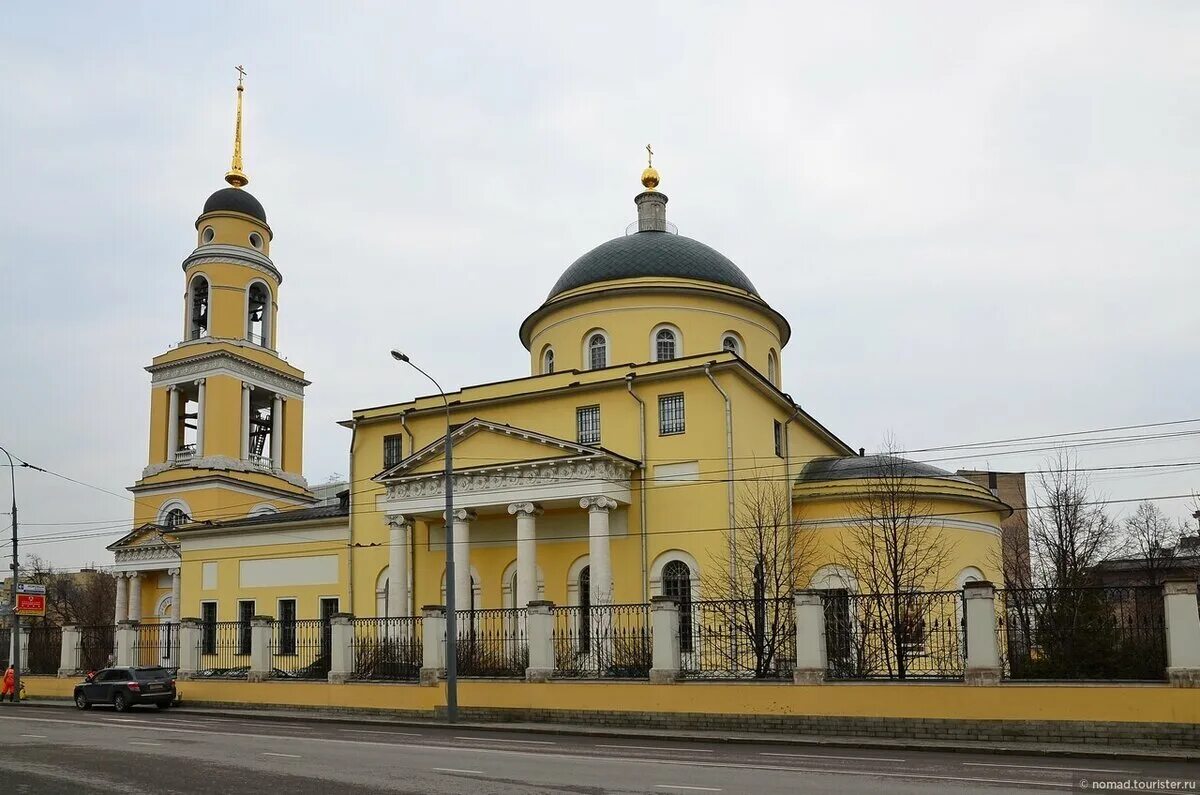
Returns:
<point x="462" y="560"/>
<point x="526" y="513"/>
<point x="1183" y="633"/>
<point x="664" y="637"/>
<point x="599" y="559"/>
<point x="341" y="648"/>
<point x="135" y="596"/>
<point x="172" y="422"/>
<point x="246" y="421"/>
<point x="176" y="595"/>
<point x="397" y="594"/>
<point x="277" y="432"/>
<point x="983" y="656"/>
<point x="122" y="611"/>
<point x="199" y="417"/>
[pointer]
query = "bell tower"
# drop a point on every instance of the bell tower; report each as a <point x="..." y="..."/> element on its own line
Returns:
<point x="226" y="411"/>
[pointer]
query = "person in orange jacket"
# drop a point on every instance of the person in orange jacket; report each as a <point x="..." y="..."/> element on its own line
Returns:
<point x="9" y="688"/>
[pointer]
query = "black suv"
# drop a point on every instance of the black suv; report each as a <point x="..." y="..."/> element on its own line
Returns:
<point x="125" y="687"/>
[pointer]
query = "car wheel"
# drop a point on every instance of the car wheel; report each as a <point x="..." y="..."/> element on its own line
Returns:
<point x="82" y="702"/>
<point x="120" y="703"/>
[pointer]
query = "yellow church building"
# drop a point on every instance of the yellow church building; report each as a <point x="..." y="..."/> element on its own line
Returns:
<point x="617" y="469"/>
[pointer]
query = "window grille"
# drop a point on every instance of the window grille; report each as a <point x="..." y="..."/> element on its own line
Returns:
<point x="670" y="414"/>
<point x="597" y="352"/>
<point x="176" y="517"/>
<point x="208" y="621"/>
<point x="287" y="627"/>
<point x="548" y="362"/>
<point x="730" y="344"/>
<point x="664" y="345"/>
<point x="587" y="424"/>
<point x="245" y="613"/>
<point x="391" y="450"/>
<point x="677" y="583"/>
<point x="778" y="438"/>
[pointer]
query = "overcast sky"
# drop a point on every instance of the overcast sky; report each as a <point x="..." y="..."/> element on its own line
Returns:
<point x="981" y="222"/>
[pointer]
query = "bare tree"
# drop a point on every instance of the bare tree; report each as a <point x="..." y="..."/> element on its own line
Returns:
<point x="1153" y="543"/>
<point x="1068" y="532"/>
<point x="85" y="598"/>
<point x="897" y="552"/>
<point x="769" y="548"/>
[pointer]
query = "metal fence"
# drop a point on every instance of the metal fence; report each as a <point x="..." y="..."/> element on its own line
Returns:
<point x="157" y="644"/>
<point x="387" y="649"/>
<point x="602" y="642"/>
<point x="737" y="639"/>
<point x="96" y="647"/>
<point x="224" y="649"/>
<point x="300" y="649"/>
<point x="919" y="635"/>
<point x="45" y="649"/>
<point x="5" y="646"/>
<point x="1082" y="633"/>
<point x="492" y="643"/>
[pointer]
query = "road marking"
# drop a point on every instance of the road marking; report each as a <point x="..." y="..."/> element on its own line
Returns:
<point x="681" y="786"/>
<point x="142" y="742"/>
<point x="377" y="731"/>
<point x="1050" y="767"/>
<point x="500" y="740"/>
<point x="35" y="736"/>
<point x="830" y="756"/>
<point x="458" y="770"/>
<point x="285" y="756"/>
<point x="458" y="749"/>
<point x="657" y="748"/>
<point x="122" y="720"/>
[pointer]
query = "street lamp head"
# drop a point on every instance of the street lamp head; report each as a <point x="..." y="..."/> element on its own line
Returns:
<point x="398" y="356"/>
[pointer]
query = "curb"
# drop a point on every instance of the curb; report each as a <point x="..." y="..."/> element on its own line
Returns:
<point x="336" y="718"/>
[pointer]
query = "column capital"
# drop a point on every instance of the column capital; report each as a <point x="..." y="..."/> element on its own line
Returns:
<point x="173" y="388"/>
<point x="463" y="515"/>
<point x="399" y="520"/>
<point x="199" y="381"/>
<point x="525" y="509"/>
<point x="247" y="387"/>
<point x="174" y="572"/>
<point x="132" y="575"/>
<point x="599" y="503"/>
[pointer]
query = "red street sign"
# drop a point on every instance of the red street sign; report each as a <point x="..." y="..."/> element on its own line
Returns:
<point x="31" y="604"/>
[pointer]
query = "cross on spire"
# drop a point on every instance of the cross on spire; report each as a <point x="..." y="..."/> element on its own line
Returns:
<point x="241" y="75"/>
<point x="649" y="156"/>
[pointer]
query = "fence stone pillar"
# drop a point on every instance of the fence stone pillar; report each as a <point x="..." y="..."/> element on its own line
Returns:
<point x="126" y="642"/>
<point x="664" y="635"/>
<point x="1183" y="632"/>
<point x="191" y="632"/>
<point x="433" y="643"/>
<point x="341" y="648"/>
<point x="811" y="654"/>
<point x="25" y="633"/>
<point x="69" y="661"/>
<point x="261" y="628"/>
<point x="982" y="654"/>
<point x="539" y="629"/>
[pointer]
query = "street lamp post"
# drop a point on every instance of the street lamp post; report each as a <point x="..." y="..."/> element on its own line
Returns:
<point x="451" y="615"/>
<point x="12" y="594"/>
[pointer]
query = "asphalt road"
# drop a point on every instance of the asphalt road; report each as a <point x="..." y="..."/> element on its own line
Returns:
<point x="44" y="750"/>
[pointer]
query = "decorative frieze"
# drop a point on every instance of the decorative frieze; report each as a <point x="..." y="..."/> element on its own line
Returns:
<point x="430" y="485"/>
<point x="225" y="363"/>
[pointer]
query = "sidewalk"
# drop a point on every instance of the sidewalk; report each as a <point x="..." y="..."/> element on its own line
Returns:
<point x="349" y="717"/>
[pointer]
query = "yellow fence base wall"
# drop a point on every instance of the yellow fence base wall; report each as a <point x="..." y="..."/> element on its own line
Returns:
<point x="1102" y="703"/>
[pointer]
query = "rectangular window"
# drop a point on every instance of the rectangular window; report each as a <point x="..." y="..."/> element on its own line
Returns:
<point x="670" y="414"/>
<point x="286" y="642"/>
<point x="587" y="424"/>
<point x="391" y="450"/>
<point x="778" y="438"/>
<point x="329" y="606"/>
<point x="208" y="627"/>
<point x="245" y="613"/>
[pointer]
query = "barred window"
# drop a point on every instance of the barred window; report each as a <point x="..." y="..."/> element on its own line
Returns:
<point x="176" y="517"/>
<point x="778" y="438"/>
<point x="208" y="624"/>
<point x="664" y="345"/>
<point x="730" y="343"/>
<point x="245" y="613"/>
<point x="287" y="627"/>
<point x="670" y="414"/>
<point x="548" y="361"/>
<point x="391" y="450"/>
<point x="587" y="424"/>
<point x="597" y="352"/>
<point x="677" y="583"/>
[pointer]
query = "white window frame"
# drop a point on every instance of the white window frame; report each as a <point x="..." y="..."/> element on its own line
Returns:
<point x="165" y="509"/>
<point x="587" y="348"/>
<point x="191" y="303"/>
<point x="671" y="327"/>
<point x="268" y="328"/>
<point x="739" y="346"/>
<point x="773" y="367"/>
<point x="547" y="354"/>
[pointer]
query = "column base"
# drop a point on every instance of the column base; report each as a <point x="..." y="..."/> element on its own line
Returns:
<point x="808" y="676"/>
<point x="1184" y="677"/>
<point x="985" y="677"/>
<point x="431" y="676"/>
<point x="539" y="674"/>
<point x="664" y="676"/>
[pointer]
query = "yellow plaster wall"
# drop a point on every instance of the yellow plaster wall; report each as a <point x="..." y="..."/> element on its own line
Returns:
<point x="293" y="436"/>
<point x="223" y="416"/>
<point x="228" y="284"/>
<point x="213" y="503"/>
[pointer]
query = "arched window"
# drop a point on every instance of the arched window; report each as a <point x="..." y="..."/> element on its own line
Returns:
<point x="585" y="605"/>
<point x="664" y="345"/>
<point x="512" y="591"/>
<point x="548" y="361"/>
<point x="677" y="583"/>
<point x="176" y="517"/>
<point x="730" y="343"/>
<point x="198" y="308"/>
<point x="597" y="348"/>
<point x="258" y="315"/>
<point x="773" y="368"/>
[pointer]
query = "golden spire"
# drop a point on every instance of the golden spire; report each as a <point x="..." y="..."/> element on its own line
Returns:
<point x="650" y="173"/>
<point x="235" y="176"/>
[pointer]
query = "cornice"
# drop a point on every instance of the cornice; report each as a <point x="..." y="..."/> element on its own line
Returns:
<point x="511" y="477"/>
<point x="225" y="363"/>
<point x="227" y="464"/>
<point x="225" y="254"/>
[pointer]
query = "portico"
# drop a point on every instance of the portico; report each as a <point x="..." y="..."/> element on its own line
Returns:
<point x="543" y="494"/>
<point x="147" y="577"/>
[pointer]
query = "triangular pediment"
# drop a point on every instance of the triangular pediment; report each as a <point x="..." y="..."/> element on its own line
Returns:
<point x="146" y="535"/>
<point x="481" y="444"/>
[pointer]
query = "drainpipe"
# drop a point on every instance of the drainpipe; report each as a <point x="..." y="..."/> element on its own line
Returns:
<point x="642" y="490"/>
<point x="787" y="482"/>
<point x="350" y="525"/>
<point x="729" y="465"/>
<point x="412" y="533"/>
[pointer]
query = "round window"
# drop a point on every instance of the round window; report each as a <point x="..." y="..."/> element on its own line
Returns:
<point x="207" y="235"/>
<point x="256" y="239"/>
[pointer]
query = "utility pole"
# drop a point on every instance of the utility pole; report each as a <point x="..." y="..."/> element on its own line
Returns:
<point x="12" y="594"/>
